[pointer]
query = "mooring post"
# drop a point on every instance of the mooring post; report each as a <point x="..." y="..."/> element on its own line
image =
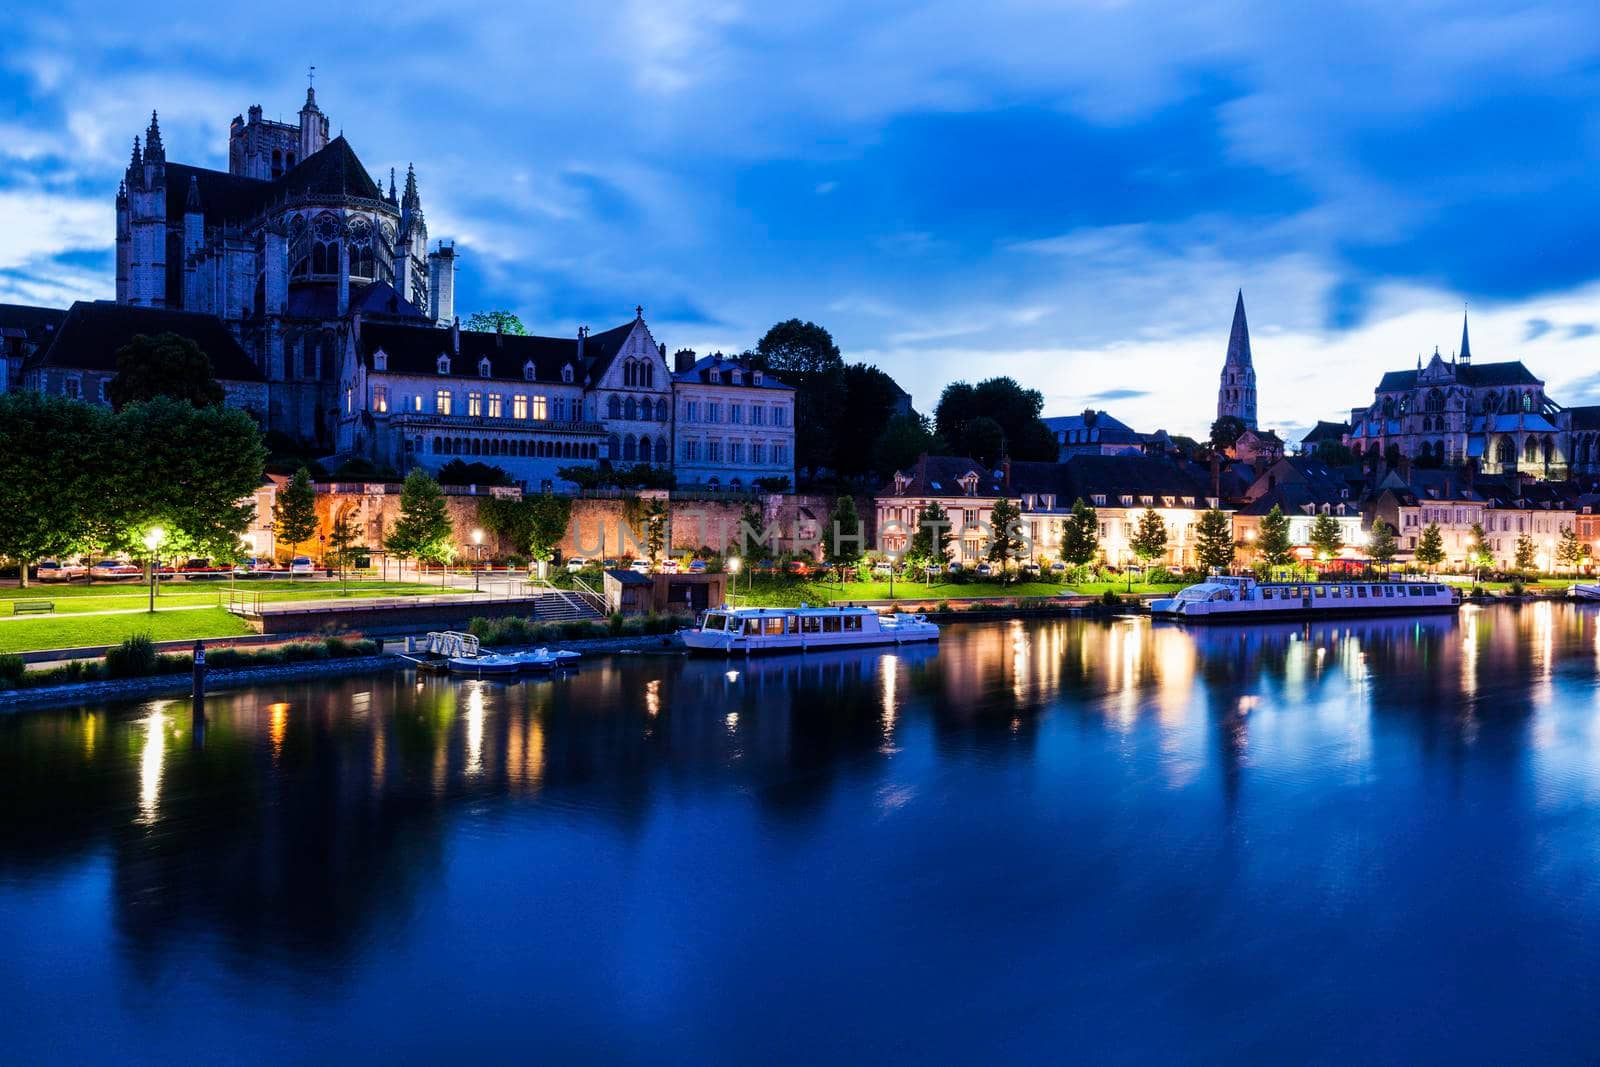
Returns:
<point x="198" y="689"/>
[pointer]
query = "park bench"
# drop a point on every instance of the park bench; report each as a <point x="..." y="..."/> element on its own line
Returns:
<point x="32" y="607"/>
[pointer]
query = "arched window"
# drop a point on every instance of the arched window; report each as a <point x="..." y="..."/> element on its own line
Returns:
<point x="1435" y="401"/>
<point x="1530" y="449"/>
<point x="630" y="448"/>
<point x="1491" y="403"/>
<point x="1527" y="401"/>
<point x="661" y="411"/>
<point x="1549" y="450"/>
<point x="614" y="407"/>
<point x="662" y="453"/>
<point x="1505" y="453"/>
<point x="613" y="447"/>
<point x="438" y="446"/>
<point x="649" y="374"/>
<point x="633" y="409"/>
<point x="644" y="449"/>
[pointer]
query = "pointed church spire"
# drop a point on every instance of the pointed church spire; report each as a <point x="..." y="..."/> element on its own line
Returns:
<point x="152" y="140"/>
<point x="411" y="197"/>
<point x="392" y="199"/>
<point x="1466" y="345"/>
<point x="138" y="157"/>
<point x="192" y="203"/>
<point x="1239" y="337"/>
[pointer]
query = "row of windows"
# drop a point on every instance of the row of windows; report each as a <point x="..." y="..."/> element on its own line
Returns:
<point x="536" y="407"/>
<point x="760" y="452"/>
<point x="380" y="361"/>
<point x="639" y="372"/>
<point x="519" y="447"/>
<point x="636" y="409"/>
<point x="714" y="411"/>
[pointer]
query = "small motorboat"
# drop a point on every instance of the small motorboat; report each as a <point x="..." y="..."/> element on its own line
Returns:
<point x="487" y="663"/>
<point x="544" y="659"/>
<point x="1583" y="592"/>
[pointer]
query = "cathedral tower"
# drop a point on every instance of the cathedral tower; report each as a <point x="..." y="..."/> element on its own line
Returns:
<point x="1237" y="394"/>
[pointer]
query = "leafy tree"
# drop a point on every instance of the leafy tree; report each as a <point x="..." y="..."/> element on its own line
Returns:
<point x="1274" y="545"/>
<point x="534" y="525"/>
<point x="460" y="472"/>
<point x="1002" y="400"/>
<point x="844" y="537"/>
<point x="930" y="542"/>
<point x="903" y="440"/>
<point x="163" y="365"/>
<point x="1430" y="548"/>
<point x="294" y="511"/>
<point x="1005" y="533"/>
<point x="655" y="528"/>
<point x="1150" y="537"/>
<point x="1337" y="454"/>
<point x="49" y="481"/>
<point x="1214" y="539"/>
<point x="1569" y="550"/>
<point x="1478" y="554"/>
<point x="799" y="347"/>
<point x="496" y="321"/>
<point x="983" y="439"/>
<point x="1326" y="539"/>
<point x="1383" y="544"/>
<point x="1527" y="554"/>
<point x="1080" y="534"/>
<point x="423" y="531"/>
<point x="756" y="545"/>
<point x="1226" y="431"/>
<point x="342" y="538"/>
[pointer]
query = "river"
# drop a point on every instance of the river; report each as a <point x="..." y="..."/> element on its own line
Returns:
<point x="1043" y="841"/>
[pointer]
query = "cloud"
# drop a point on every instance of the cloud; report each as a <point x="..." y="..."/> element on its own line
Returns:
<point x="1536" y="328"/>
<point x="1108" y="395"/>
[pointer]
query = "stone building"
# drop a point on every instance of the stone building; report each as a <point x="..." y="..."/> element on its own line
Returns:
<point x="1236" y="395"/>
<point x="735" y="423"/>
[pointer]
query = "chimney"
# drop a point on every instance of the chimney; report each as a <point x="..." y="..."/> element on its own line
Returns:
<point x="1216" y="475"/>
<point x="683" y="361"/>
<point x="1005" y="473"/>
<point x="583" y="332"/>
<point x="455" y="337"/>
<point x="499" y="334"/>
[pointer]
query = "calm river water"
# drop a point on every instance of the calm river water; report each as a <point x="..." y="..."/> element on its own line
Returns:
<point x="1064" y="841"/>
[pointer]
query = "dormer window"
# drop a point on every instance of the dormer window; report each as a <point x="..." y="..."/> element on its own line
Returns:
<point x="1127" y="500"/>
<point x="380" y="360"/>
<point x="755" y="377"/>
<point x="1099" y="499"/>
<point x="444" y="364"/>
<point x="566" y="374"/>
<point x="483" y="367"/>
<point x="527" y="371"/>
<point x="900" y="483"/>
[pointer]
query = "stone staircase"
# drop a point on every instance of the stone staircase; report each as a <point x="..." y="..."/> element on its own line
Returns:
<point x="561" y="605"/>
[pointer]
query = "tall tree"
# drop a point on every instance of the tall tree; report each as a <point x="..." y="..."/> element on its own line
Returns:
<point x="1005" y="533"/>
<point x="756" y="545"/>
<point x="1527" y="554"/>
<point x="342" y="538"/>
<point x="844" y="537"/>
<point x="1326" y="539"/>
<point x="903" y="440"/>
<point x="1214" y="539"/>
<point x="1150" y="537"/>
<point x="294" y="511"/>
<point x="1080" y="534"/>
<point x="166" y="364"/>
<point x="49" y="477"/>
<point x="655" y="529"/>
<point x="869" y="401"/>
<point x="983" y="439"/>
<point x="496" y="321"/>
<point x="1225" y="432"/>
<point x="1430" y="548"/>
<point x="930" y="541"/>
<point x="1274" y="545"/>
<point x="1382" y="544"/>
<point x="1008" y="405"/>
<point x="534" y="525"/>
<point x="423" y="530"/>
<point x="1478" y="553"/>
<point x="799" y="347"/>
<point x="1569" y="550"/>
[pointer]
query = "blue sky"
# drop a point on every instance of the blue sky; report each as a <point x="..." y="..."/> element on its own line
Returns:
<point x="1068" y="193"/>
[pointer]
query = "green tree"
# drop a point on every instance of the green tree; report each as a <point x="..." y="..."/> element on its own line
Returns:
<point x="50" y="480"/>
<point x="1478" y="554"/>
<point x="1382" y="544"/>
<point x="1527" y="553"/>
<point x="1569" y="550"/>
<point x="799" y="347"/>
<point x="533" y="525"/>
<point x="1005" y="533"/>
<point x="1150" y="537"/>
<point x="1430" y="548"/>
<point x="930" y="541"/>
<point x="342" y="538"/>
<point x="904" y="439"/>
<point x="983" y="439"/>
<point x="1225" y="432"/>
<point x="1274" y="545"/>
<point x="1080" y="534"/>
<point x="655" y="529"/>
<point x="166" y="364"/>
<point x="843" y="540"/>
<point x="1003" y="401"/>
<point x="496" y="322"/>
<point x="1214" y="539"/>
<point x="755" y="538"/>
<point x="1326" y="539"/>
<point x="423" y="530"/>
<point x="294" y="511"/>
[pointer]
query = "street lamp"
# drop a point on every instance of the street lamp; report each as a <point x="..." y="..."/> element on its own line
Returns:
<point x="477" y="550"/>
<point x="152" y="541"/>
<point x="732" y="567"/>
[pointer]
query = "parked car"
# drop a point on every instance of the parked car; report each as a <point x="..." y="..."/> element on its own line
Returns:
<point x="640" y="566"/>
<point x="956" y="566"/>
<point x="669" y="566"/>
<point x="932" y="569"/>
<point x="984" y="570"/>
<point x="765" y="566"/>
<point x="1058" y="567"/>
<point x="52" y="570"/>
<point x="698" y="566"/>
<point x="797" y="567"/>
<point x="822" y="568"/>
<point x="1031" y="570"/>
<point x="252" y="565"/>
<point x="576" y="564"/>
<point x="883" y="568"/>
<point x="199" y="566"/>
<point x="302" y="565"/>
<point x="114" y="568"/>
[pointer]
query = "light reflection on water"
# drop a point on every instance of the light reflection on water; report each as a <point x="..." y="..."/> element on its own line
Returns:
<point x="1144" y="841"/>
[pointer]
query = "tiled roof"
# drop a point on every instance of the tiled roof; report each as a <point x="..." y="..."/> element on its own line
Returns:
<point x="34" y="324"/>
<point x="1325" y="431"/>
<point x="415" y="349"/>
<point x="1586" y="417"/>
<point x="232" y="198"/>
<point x="713" y="370"/>
<point x="1477" y="375"/>
<point x="94" y="330"/>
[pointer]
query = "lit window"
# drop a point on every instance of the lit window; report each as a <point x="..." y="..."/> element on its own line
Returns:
<point x="494" y="405"/>
<point x="441" y="402"/>
<point x="416" y="403"/>
<point x="380" y="398"/>
<point x="519" y="407"/>
<point x="474" y="404"/>
<point x="539" y="410"/>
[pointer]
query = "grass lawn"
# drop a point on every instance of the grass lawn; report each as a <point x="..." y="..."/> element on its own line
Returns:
<point x="27" y="635"/>
<point x="1121" y="588"/>
<point x="782" y="592"/>
<point x="107" y="596"/>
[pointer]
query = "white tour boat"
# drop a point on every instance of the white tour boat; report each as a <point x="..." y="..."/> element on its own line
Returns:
<point x="1229" y="599"/>
<point x="1579" y="591"/>
<point x="794" y="629"/>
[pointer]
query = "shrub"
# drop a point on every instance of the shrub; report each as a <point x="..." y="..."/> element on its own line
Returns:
<point x="1516" y="587"/>
<point x="1158" y="576"/>
<point x="1110" y="599"/>
<point x="134" y="658"/>
<point x="12" y="671"/>
<point x="615" y="623"/>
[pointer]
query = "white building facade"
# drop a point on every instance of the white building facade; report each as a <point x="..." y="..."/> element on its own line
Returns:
<point x="735" y="423"/>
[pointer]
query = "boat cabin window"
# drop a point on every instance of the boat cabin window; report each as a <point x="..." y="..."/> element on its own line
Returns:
<point x="752" y="626"/>
<point x="830" y="624"/>
<point x="1322" y="590"/>
<point x="1415" y="590"/>
<point x="793" y="624"/>
<point x="852" y="622"/>
<point x="1361" y="592"/>
<point x="714" y="622"/>
<point x="811" y="624"/>
<point x="773" y="625"/>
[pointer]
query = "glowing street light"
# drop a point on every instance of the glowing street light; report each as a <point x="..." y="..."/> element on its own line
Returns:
<point x="732" y="567"/>
<point x="477" y="549"/>
<point x="152" y="541"/>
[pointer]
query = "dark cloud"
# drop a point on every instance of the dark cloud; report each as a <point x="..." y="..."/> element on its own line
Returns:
<point x="1117" y="394"/>
<point x="1536" y="328"/>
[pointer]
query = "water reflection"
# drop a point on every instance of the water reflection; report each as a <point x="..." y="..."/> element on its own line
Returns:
<point x="319" y="824"/>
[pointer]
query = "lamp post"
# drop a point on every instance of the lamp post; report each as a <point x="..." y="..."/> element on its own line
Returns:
<point x="732" y="567"/>
<point x="477" y="550"/>
<point x="152" y="541"/>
